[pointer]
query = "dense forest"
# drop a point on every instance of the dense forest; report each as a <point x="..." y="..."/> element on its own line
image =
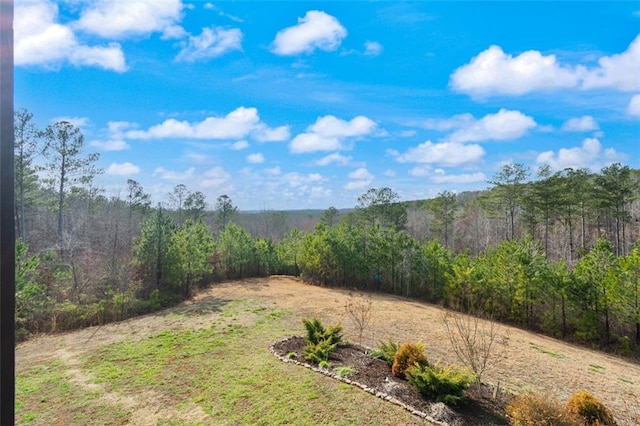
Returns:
<point x="553" y="251"/>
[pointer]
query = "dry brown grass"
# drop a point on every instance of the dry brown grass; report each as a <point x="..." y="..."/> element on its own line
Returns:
<point x="531" y="362"/>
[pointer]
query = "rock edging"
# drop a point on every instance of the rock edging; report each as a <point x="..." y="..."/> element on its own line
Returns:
<point x="372" y="391"/>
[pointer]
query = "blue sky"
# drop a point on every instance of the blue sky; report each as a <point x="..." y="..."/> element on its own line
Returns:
<point x="293" y="105"/>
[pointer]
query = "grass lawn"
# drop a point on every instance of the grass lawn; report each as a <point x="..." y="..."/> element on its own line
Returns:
<point x="219" y="373"/>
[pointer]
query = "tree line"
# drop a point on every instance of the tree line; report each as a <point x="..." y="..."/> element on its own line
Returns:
<point x="556" y="252"/>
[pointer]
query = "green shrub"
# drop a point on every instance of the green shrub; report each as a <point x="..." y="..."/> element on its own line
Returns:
<point x="588" y="410"/>
<point x="344" y="371"/>
<point x="318" y="352"/>
<point x="408" y="355"/>
<point x="532" y="410"/>
<point x="316" y="332"/>
<point x="321" y="341"/>
<point x="444" y="384"/>
<point x="386" y="351"/>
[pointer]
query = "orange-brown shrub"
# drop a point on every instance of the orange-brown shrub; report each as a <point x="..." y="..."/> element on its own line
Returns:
<point x="532" y="410"/>
<point x="408" y="355"/>
<point x="588" y="410"/>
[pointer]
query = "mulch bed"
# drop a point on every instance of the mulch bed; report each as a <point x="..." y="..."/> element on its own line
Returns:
<point x="482" y="405"/>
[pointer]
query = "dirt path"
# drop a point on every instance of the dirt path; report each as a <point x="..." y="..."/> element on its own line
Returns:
<point x="531" y="362"/>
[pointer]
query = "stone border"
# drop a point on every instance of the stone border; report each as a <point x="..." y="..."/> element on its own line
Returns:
<point x="372" y="391"/>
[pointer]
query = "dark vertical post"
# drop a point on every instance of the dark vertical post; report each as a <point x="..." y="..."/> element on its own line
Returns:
<point x="7" y="230"/>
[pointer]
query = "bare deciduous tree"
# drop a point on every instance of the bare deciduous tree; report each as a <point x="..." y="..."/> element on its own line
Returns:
<point x="359" y="309"/>
<point x="474" y="340"/>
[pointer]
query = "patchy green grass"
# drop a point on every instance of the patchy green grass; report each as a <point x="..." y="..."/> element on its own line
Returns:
<point x="596" y="368"/>
<point x="223" y="374"/>
<point x="546" y="351"/>
<point x="45" y="395"/>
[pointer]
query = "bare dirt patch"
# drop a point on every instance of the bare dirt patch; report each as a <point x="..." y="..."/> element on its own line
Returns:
<point x="531" y="362"/>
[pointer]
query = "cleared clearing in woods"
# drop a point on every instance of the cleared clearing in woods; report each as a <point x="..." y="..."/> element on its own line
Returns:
<point x="71" y="391"/>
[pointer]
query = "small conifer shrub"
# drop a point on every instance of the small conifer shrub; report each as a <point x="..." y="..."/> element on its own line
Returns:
<point x="408" y="355"/>
<point x="588" y="409"/>
<point x="532" y="410"/>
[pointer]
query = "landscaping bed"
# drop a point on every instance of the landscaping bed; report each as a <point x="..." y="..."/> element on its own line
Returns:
<point x="483" y="405"/>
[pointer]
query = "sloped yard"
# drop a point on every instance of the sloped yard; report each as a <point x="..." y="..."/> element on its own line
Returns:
<point x="213" y="365"/>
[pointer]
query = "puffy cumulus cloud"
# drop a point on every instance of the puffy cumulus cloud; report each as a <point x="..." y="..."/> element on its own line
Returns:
<point x="273" y="171"/>
<point x="39" y="40"/>
<point x="312" y="142"/>
<point x="360" y="178"/>
<point x="211" y="43"/>
<point x="214" y="178"/>
<point x="634" y="106"/>
<point x="74" y="121"/>
<point x="174" y="32"/>
<point x="619" y="71"/>
<point x="256" y="158"/>
<point x="334" y="158"/>
<point x="331" y="126"/>
<point x="237" y="124"/>
<point x="300" y="180"/>
<point x="329" y="132"/>
<point x="277" y="134"/>
<point x="372" y="48"/>
<point x="361" y="173"/>
<point x="122" y="169"/>
<point x="440" y="176"/>
<point x="171" y="175"/>
<point x="589" y="155"/>
<point x="504" y="125"/>
<point x="110" y="145"/>
<point x="316" y="30"/>
<point x="585" y="123"/>
<point x="125" y="18"/>
<point x="445" y="153"/>
<point x="494" y="72"/>
<point x="240" y="145"/>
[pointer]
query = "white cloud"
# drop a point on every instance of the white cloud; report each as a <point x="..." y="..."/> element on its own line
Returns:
<point x="122" y="169"/>
<point x="125" y="18"/>
<point x="328" y="133"/>
<point x="174" y="32"/>
<point x="211" y="43"/>
<point x="278" y="134"/>
<point x="361" y="173"/>
<point x="634" y="106"/>
<point x="494" y="72"/>
<point x="172" y="175"/>
<point x="110" y="145"/>
<point x="215" y="177"/>
<point x="311" y="142"/>
<point x="299" y="180"/>
<point x="585" y="123"/>
<point x="372" y="48"/>
<point x="274" y="171"/>
<point x="40" y="40"/>
<point x="590" y="155"/>
<point x="357" y="184"/>
<point x="334" y="158"/>
<point x="504" y="125"/>
<point x="361" y="178"/>
<point x="74" y="121"/>
<point x="619" y="71"/>
<point x="440" y="176"/>
<point x="455" y="122"/>
<point x="256" y="158"/>
<point x="446" y="154"/>
<point x="240" y="145"/>
<point x="331" y="126"/>
<point x="317" y="30"/>
<point x="237" y="124"/>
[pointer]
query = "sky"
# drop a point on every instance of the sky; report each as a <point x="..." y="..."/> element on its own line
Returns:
<point x="307" y="105"/>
